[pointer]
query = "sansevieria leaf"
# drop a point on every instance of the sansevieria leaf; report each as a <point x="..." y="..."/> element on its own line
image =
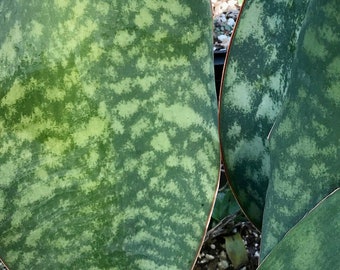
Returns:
<point x="305" y="144"/>
<point x="257" y="73"/>
<point x="313" y="243"/>
<point x="108" y="139"/>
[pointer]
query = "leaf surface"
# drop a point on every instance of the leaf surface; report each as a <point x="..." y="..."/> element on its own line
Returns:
<point x="305" y="146"/>
<point x="257" y="73"/>
<point x="313" y="243"/>
<point x="109" y="149"/>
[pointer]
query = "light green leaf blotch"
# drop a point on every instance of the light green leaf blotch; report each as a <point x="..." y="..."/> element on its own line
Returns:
<point x="181" y="115"/>
<point x="93" y="129"/>
<point x="7" y="173"/>
<point x="144" y="18"/>
<point x="161" y="142"/>
<point x="16" y="92"/>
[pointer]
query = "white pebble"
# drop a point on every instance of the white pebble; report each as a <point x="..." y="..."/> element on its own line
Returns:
<point x="223" y="255"/>
<point x="212" y="246"/>
<point x="204" y="261"/>
<point x="223" y="265"/>
<point x="222" y="18"/>
<point x="225" y="43"/>
<point x="223" y="6"/>
<point x="222" y="38"/>
<point x="209" y="257"/>
<point x="231" y="22"/>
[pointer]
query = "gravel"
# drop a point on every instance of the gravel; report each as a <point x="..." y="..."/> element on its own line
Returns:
<point x="213" y="254"/>
<point x="225" y="13"/>
<point x="3" y="265"/>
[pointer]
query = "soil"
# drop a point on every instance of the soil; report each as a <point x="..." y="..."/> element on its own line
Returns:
<point x="213" y="254"/>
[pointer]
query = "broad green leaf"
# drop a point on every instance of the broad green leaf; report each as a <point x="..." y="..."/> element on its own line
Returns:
<point x="256" y="78"/>
<point x="313" y="243"/>
<point x="109" y="149"/>
<point x="305" y="146"/>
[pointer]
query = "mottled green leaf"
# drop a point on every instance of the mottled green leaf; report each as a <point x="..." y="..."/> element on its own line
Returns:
<point x="305" y="144"/>
<point x="256" y="78"/>
<point x="313" y="243"/>
<point x="109" y="148"/>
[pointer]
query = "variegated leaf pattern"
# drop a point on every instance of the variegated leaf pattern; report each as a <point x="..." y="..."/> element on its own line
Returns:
<point x="256" y="78"/>
<point x="305" y="145"/>
<point x="109" y="152"/>
<point x="313" y="243"/>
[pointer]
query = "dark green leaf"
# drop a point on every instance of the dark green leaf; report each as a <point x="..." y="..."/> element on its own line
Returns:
<point x="313" y="243"/>
<point x="256" y="79"/>
<point x="305" y="146"/>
